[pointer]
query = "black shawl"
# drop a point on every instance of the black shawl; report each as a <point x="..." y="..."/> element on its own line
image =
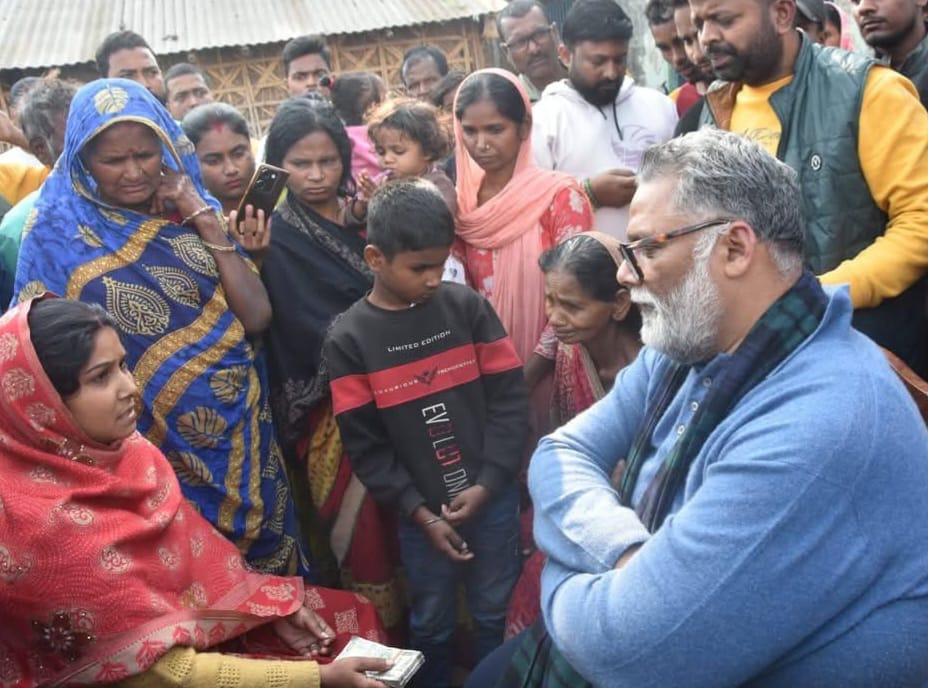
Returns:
<point x="313" y="272"/>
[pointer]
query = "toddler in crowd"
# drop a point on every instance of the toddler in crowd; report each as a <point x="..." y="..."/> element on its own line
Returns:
<point x="433" y="414"/>
<point x="353" y="94"/>
<point x="410" y="143"/>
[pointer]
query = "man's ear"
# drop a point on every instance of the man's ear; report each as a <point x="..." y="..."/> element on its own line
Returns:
<point x="623" y="302"/>
<point x="782" y="15"/>
<point x="374" y="258"/>
<point x="739" y="243"/>
<point x="564" y="55"/>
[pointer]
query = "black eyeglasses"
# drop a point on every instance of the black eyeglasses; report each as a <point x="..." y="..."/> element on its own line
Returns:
<point x="628" y="250"/>
<point x="538" y="36"/>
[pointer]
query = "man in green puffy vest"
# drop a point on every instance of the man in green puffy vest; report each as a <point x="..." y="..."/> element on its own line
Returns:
<point x="856" y="134"/>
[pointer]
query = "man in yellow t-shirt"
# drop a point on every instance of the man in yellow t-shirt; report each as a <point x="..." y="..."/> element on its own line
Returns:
<point x="866" y="213"/>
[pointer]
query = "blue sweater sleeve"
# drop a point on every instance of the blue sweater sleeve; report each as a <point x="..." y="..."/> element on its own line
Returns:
<point x="767" y="549"/>
<point x="578" y="518"/>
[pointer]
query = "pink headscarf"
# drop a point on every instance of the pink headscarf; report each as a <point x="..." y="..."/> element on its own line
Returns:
<point x="509" y="223"/>
<point x="847" y="41"/>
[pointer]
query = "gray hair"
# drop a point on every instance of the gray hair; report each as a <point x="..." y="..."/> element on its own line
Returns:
<point x="39" y="107"/>
<point x="517" y="9"/>
<point x="720" y="174"/>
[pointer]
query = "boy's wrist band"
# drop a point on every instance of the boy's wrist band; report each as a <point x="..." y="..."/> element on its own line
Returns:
<point x="432" y="521"/>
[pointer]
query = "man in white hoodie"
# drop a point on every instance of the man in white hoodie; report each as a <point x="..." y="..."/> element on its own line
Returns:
<point x="596" y="123"/>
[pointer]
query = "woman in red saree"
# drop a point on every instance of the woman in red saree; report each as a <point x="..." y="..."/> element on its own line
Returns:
<point x="109" y="574"/>
<point x="597" y="330"/>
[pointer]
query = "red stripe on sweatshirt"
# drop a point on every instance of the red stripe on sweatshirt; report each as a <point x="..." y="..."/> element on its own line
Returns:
<point x="350" y="392"/>
<point x="408" y="382"/>
<point x="497" y="357"/>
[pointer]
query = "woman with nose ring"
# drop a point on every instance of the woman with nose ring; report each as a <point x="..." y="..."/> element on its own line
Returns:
<point x="510" y="211"/>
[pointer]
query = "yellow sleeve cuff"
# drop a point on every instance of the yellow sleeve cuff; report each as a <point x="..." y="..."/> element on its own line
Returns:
<point x="185" y="667"/>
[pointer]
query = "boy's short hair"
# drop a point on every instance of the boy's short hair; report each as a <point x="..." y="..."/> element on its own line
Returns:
<point x="305" y="45"/>
<point x="408" y="215"/>
<point x="113" y="43"/>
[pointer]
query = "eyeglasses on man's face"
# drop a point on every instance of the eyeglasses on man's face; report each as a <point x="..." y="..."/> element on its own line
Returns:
<point x="538" y="37"/>
<point x="628" y="249"/>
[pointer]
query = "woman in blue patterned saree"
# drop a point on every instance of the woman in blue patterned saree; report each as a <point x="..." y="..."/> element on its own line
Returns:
<point x="124" y="221"/>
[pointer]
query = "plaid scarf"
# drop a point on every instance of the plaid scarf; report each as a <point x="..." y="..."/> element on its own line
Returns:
<point x="791" y="319"/>
<point x="782" y="328"/>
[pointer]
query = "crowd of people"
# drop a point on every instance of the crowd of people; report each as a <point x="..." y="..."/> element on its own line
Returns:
<point x="551" y="376"/>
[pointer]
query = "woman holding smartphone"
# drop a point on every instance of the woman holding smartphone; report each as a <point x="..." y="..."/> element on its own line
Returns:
<point x="124" y="221"/>
<point x="313" y="272"/>
<point x="223" y="146"/>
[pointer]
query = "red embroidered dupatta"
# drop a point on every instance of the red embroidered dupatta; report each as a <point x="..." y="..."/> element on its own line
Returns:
<point x="103" y="564"/>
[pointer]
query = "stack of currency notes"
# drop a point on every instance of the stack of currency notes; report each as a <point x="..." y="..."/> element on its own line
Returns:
<point x="405" y="662"/>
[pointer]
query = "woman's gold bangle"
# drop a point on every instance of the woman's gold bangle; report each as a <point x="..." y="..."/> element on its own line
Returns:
<point x="196" y="213"/>
<point x="217" y="247"/>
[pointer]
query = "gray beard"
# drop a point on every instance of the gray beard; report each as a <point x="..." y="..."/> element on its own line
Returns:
<point x="684" y="324"/>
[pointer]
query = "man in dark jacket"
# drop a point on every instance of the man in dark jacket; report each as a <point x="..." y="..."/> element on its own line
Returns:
<point x="896" y="29"/>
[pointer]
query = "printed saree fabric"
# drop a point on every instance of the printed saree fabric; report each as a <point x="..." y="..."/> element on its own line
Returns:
<point x="576" y="383"/>
<point x="202" y="383"/>
<point x="104" y="565"/>
<point x="314" y="272"/>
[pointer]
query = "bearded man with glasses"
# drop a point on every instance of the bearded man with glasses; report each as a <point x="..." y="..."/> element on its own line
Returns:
<point x="769" y="526"/>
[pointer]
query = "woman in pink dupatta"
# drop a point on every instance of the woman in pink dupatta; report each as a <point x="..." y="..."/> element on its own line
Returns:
<point x="510" y="211"/>
<point x="109" y="575"/>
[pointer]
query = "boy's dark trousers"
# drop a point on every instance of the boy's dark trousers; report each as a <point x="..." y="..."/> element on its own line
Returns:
<point x="493" y="537"/>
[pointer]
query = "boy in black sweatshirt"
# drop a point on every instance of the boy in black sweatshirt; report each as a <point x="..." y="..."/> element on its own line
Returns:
<point x="433" y="411"/>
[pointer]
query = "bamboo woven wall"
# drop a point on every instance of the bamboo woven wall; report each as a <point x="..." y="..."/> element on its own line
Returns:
<point x="251" y="78"/>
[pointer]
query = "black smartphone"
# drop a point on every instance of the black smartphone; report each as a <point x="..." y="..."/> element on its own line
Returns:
<point x="267" y="183"/>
